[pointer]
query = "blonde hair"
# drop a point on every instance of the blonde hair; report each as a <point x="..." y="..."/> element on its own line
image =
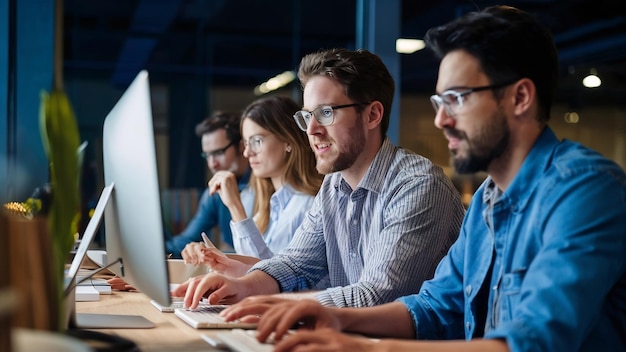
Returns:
<point x="275" y="114"/>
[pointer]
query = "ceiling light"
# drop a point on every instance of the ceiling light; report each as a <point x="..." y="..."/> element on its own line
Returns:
<point x="571" y="117"/>
<point x="592" y="80"/>
<point x="275" y="82"/>
<point x="409" y="46"/>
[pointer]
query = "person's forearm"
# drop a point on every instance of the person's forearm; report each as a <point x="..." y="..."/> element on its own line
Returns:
<point x="478" y="345"/>
<point x="259" y="283"/>
<point x="387" y="320"/>
<point x="237" y="212"/>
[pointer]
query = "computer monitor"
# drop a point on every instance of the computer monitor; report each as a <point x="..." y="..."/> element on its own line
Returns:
<point x="132" y="216"/>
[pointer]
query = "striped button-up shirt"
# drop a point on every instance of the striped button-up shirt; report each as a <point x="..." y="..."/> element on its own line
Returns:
<point x="377" y="242"/>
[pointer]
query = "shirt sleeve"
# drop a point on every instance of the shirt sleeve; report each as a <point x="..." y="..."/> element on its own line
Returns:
<point x="248" y="240"/>
<point x="438" y="310"/>
<point x="204" y="220"/>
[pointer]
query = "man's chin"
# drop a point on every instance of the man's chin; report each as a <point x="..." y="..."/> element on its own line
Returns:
<point x="323" y="166"/>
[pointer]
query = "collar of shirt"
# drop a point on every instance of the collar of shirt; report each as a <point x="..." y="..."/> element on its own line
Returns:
<point x="280" y="198"/>
<point x="532" y="170"/>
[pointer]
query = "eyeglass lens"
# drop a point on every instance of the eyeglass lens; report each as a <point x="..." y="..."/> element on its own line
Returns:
<point x="323" y="114"/>
<point x="255" y="144"/>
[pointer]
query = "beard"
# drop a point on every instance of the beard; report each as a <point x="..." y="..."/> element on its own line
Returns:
<point x="490" y="143"/>
<point x="234" y="166"/>
<point x="354" y="145"/>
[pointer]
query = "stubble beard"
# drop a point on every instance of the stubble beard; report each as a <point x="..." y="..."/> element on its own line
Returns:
<point x="490" y="143"/>
<point x="344" y="160"/>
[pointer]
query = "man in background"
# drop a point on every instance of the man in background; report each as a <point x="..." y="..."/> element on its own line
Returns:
<point x="222" y="148"/>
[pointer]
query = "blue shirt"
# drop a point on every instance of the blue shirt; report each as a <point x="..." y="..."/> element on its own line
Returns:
<point x="377" y="242"/>
<point x="555" y="243"/>
<point x="287" y="209"/>
<point x="211" y="212"/>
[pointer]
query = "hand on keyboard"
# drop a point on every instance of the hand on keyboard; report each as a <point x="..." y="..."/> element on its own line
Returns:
<point x="245" y="341"/>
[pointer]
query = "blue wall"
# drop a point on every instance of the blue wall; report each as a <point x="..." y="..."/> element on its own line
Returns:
<point x="26" y="34"/>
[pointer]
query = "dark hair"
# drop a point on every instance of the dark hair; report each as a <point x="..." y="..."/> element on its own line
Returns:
<point x="275" y="114"/>
<point x="509" y="44"/>
<point x="363" y="75"/>
<point x="229" y="121"/>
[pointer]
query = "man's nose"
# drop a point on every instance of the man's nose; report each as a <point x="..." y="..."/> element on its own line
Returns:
<point x="213" y="162"/>
<point x="442" y="119"/>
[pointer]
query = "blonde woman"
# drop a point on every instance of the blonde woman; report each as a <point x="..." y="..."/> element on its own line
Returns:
<point x="285" y="182"/>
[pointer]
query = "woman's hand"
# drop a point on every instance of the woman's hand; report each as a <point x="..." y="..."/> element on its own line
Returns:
<point x="192" y="253"/>
<point x="221" y="263"/>
<point x="197" y="253"/>
<point x="225" y="184"/>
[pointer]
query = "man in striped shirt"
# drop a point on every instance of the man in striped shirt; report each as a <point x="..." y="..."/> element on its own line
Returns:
<point x="384" y="216"/>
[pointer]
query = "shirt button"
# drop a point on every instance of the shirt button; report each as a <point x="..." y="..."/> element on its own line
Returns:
<point x="352" y="254"/>
<point x="468" y="289"/>
<point x="354" y="222"/>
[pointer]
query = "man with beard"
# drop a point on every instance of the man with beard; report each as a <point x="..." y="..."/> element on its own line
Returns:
<point x="540" y="262"/>
<point x="384" y="216"/>
<point x="222" y="149"/>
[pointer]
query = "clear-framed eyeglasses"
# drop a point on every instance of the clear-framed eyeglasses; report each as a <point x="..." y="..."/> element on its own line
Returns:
<point x="323" y="114"/>
<point x="255" y="143"/>
<point x="452" y="99"/>
<point x="218" y="153"/>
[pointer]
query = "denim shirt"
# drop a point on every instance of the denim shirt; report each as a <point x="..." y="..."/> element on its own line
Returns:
<point x="211" y="212"/>
<point x="287" y="210"/>
<point x="555" y="242"/>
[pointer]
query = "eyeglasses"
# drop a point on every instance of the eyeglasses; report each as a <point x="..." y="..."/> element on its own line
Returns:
<point x="255" y="143"/>
<point x="323" y="114"/>
<point x="452" y="100"/>
<point x="218" y="153"/>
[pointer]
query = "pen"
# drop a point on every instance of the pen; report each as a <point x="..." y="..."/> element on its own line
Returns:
<point x="207" y="241"/>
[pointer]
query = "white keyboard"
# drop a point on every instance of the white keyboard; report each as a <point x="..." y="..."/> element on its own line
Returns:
<point x="208" y="317"/>
<point x="240" y="340"/>
<point x="172" y="307"/>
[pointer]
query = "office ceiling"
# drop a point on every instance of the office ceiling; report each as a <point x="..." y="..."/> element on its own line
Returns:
<point x="244" y="42"/>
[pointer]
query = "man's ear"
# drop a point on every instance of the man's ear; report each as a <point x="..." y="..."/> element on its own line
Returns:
<point x="525" y="96"/>
<point x="374" y="114"/>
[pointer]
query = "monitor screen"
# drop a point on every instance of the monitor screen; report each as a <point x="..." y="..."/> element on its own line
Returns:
<point x="132" y="220"/>
<point x="133" y="224"/>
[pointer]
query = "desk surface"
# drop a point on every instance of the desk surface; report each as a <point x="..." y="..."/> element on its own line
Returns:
<point x="170" y="333"/>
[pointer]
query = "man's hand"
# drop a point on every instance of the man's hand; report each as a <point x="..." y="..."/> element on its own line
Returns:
<point x="218" y="289"/>
<point x="324" y="340"/>
<point x="278" y="315"/>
